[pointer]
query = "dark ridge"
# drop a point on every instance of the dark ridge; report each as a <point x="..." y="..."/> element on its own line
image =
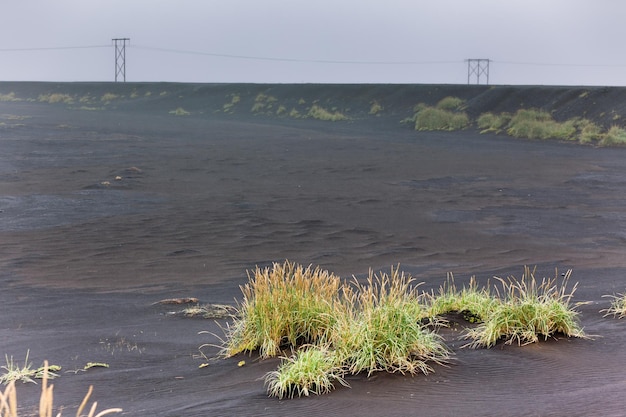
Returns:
<point x="604" y="105"/>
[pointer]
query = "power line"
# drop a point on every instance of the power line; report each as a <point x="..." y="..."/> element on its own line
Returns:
<point x="52" y="48"/>
<point x="318" y="61"/>
<point x="303" y="60"/>
<point x="554" y="64"/>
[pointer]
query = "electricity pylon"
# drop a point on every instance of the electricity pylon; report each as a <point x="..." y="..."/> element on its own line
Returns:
<point x="120" y="58"/>
<point x="477" y="67"/>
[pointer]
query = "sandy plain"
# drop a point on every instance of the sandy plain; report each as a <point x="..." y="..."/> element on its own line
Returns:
<point x="104" y="212"/>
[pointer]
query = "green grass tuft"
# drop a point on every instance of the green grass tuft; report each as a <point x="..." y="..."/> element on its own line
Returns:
<point x="538" y="124"/>
<point x="9" y="97"/>
<point x="375" y="108"/>
<point x="526" y="310"/>
<point x="616" y="136"/>
<point x="490" y="122"/>
<point x="383" y="332"/>
<point x="451" y="104"/>
<point x="179" y="111"/>
<point x="107" y="97"/>
<point x="286" y="304"/>
<point x="313" y="370"/>
<point x="472" y="302"/>
<point x="55" y="98"/>
<point x="320" y="113"/>
<point x="431" y="118"/>
<point x="618" y="306"/>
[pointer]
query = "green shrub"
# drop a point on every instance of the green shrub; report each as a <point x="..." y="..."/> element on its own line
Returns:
<point x="431" y="118"/>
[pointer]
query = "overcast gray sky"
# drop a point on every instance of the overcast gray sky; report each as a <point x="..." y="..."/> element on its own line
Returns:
<point x="561" y="42"/>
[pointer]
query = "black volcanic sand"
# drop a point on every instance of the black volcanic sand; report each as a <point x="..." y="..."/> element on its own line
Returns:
<point x="202" y="199"/>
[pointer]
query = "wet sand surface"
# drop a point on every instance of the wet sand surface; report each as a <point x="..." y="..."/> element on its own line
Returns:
<point x="103" y="214"/>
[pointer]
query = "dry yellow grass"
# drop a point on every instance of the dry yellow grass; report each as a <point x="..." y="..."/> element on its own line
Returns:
<point x="8" y="401"/>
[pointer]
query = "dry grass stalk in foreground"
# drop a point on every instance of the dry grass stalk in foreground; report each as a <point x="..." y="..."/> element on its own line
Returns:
<point x="618" y="306"/>
<point x="8" y="401"/>
<point x="25" y="373"/>
<point x="526" y="310"/>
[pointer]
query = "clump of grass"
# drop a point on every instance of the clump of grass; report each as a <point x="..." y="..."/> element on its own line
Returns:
<point x="447" y="114"/>
<point x="234" y="99"/>
<point x="490" y="122"/>
<point x="313" y="370"/>
<point x="539" y="124"/>
<point x="263" y="102"/>
<point x="472" y="302"/>
<point x="8" y="97"/>
<point x="589" y="132"/>
<point x="451" y="103"/>
<point x="616" y="136"/>
<point x="376" y="328"/>
<point x="339" y="329"/>
<point x="179" y="111"/>
<point x="526" y="310"/>
<point x="55" y="98"/>
<point x="320" y="113"/>
<point x="26" y="373"/>
<point x="432" y="118"/>
<point x="106" y="97"/>
<point x="375" y="108"/>
<point x="281" y="111"/>
<point x="8" y="400"/>
<point x="382" y="330"/>
<point x="286" y="304"/>
<point x="618" y="306"/>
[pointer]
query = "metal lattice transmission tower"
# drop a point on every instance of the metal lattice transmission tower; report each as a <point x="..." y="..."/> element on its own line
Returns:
<point x="477" y="68"/>
<point x="120" y="58"/>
